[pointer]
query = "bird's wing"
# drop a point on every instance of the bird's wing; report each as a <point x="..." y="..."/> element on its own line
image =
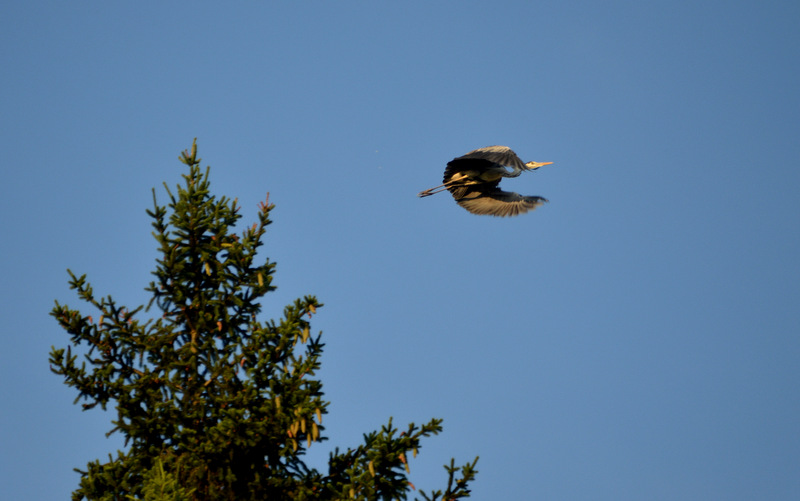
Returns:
<point x="494" y="201"/>
<point x="460" y="165"/>
<point x="502" y="155"/>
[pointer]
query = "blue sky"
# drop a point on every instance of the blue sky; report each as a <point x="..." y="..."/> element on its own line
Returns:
<point x="636" y="338"/>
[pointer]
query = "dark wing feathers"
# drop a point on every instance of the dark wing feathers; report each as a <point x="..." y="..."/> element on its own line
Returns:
<point x="502" y="155"/>
<point x="463" y="164"/>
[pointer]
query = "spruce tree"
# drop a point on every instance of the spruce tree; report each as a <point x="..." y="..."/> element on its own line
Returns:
<point x="213" y="402"/>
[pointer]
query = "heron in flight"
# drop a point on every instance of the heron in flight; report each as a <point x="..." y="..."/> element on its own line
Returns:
<point x="473" y="181"/>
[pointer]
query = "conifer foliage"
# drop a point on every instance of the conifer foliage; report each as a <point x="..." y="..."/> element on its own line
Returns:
<point x="213" y="403"/>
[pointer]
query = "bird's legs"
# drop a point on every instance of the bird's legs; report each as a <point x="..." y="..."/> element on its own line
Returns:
<point x="440" y="188"/>
<point x="430" y="191"/>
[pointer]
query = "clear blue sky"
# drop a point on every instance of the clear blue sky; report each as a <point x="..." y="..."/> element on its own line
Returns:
<point x="636" y="338"/>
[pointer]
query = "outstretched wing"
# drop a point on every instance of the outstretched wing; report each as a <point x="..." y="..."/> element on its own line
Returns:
<point x="502" y="155"/>
<point x="462" y="168"/>
<point x="492" y="201"/>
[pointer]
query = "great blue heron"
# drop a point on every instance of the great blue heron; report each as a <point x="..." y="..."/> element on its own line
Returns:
<point x="473" y="181"/>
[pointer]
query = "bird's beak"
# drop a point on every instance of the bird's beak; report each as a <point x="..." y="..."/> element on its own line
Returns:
<point x="536" y="165"/>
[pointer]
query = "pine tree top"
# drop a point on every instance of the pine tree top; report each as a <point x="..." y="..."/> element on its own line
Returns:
<point x="213" y="402"/>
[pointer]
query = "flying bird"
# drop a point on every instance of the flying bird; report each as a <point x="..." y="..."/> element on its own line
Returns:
<point x="473" y="181"/>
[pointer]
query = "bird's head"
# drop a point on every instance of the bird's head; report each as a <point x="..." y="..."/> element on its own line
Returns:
<point x="536" y="165"/>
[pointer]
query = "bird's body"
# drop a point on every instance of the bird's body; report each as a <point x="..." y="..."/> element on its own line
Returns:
<point x="473" y="181"/>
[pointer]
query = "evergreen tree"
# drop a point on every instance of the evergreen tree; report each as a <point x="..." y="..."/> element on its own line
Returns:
<point x="215" y="404"/>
